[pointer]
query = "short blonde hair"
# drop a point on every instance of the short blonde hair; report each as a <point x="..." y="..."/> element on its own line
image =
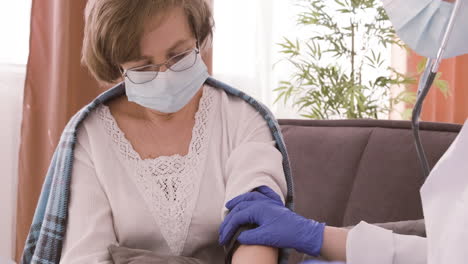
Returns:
<point x="113" y="30"/>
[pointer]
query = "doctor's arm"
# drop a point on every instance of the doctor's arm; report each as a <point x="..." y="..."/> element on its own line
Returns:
<point x="366" y="244"/>
<point x="279" y="227"/>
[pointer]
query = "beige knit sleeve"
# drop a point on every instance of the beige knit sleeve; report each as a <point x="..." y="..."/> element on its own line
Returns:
<point x="254" y="160"/>
<point x="90" y="229"/>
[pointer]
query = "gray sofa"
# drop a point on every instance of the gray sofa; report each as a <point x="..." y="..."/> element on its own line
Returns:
<point x="351" y="170"/>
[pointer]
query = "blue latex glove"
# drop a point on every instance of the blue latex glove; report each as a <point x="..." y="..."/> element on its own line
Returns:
<point x="278" y="226"/>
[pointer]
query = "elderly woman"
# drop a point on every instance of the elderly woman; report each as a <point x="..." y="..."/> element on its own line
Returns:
<point x="152" y="169"/>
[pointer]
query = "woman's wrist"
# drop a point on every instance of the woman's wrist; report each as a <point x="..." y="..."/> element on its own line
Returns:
<point x="255" y="254"/>
<point x="334" y="243"/>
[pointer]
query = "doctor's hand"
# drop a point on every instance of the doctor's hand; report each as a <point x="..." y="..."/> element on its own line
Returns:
<point x="277" y="225"/>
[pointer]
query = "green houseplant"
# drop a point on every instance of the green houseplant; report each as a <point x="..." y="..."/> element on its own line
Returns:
<point x="341" y="69"/>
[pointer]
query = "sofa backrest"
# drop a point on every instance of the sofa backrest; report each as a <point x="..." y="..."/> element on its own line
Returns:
<point x="346" y="171"/>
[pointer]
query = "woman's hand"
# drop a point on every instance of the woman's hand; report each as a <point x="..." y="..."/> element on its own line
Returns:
<point x="279" y="227"/>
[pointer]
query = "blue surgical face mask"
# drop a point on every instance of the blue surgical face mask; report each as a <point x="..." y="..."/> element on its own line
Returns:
<point x="421" y="24"/>
<point x="170" y="91"/>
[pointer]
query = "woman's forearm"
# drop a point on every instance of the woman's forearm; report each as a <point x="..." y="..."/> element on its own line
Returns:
<point x="333" y="249"/>
<point x="334" y="244"/>
<point x="255" y="254"/>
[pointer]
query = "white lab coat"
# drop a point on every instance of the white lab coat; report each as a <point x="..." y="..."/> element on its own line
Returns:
<point x="445" y="204"/>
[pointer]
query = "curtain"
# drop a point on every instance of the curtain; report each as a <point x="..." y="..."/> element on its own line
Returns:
<point x="453" y="108"/>
<point x="56" y="87"/>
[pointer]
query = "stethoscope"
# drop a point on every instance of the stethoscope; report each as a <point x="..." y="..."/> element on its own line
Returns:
<point x="425" y="84"/>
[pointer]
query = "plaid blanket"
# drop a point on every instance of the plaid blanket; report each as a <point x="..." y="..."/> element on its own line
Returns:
<point x="47" y="232"/>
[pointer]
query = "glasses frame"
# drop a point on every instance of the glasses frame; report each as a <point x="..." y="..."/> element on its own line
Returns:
<point x="158" y="66"/>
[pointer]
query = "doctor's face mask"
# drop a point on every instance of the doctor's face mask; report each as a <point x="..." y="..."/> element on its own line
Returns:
<point x="421" y="24"/>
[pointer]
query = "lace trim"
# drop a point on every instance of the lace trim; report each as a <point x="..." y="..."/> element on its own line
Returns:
<point x="169" y="184"/>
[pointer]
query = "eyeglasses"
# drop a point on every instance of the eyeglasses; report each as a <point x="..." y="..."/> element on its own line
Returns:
<point x="177" y="63"/>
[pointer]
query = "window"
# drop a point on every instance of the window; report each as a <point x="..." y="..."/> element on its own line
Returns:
<point x="246" y="50"/>
<point x="245" y="46"/>
<point x="14" y="47"/>
<point x="14" y="25"/>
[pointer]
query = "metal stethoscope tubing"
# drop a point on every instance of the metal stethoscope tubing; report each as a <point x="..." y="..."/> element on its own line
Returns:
<point x="425" y="84"/>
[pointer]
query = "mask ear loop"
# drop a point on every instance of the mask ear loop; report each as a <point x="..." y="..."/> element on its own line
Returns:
<point x="197" y="44"/>
<point x="123" y="73"/>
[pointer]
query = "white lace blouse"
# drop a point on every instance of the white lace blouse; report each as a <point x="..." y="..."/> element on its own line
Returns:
<point x="172" y="205"/>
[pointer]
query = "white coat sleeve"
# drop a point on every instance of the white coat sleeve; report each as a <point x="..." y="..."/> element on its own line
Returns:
<point x="369" y="244"/>
<point x="254" y="161"/>
<point x="90" y="229"/>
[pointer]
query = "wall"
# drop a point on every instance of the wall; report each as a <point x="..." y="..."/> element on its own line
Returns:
<point x="14" y="47"/>
<point x="11" y="90"/>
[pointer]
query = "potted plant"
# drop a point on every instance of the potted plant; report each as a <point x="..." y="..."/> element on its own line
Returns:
<point x="341" y="70"/>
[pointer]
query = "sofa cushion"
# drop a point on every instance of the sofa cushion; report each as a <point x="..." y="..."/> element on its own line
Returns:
<point x="409" y="227"/>
<point x="345" y="171"/>
<point x="324" y="161"/>
<point x="387" y="183"/>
